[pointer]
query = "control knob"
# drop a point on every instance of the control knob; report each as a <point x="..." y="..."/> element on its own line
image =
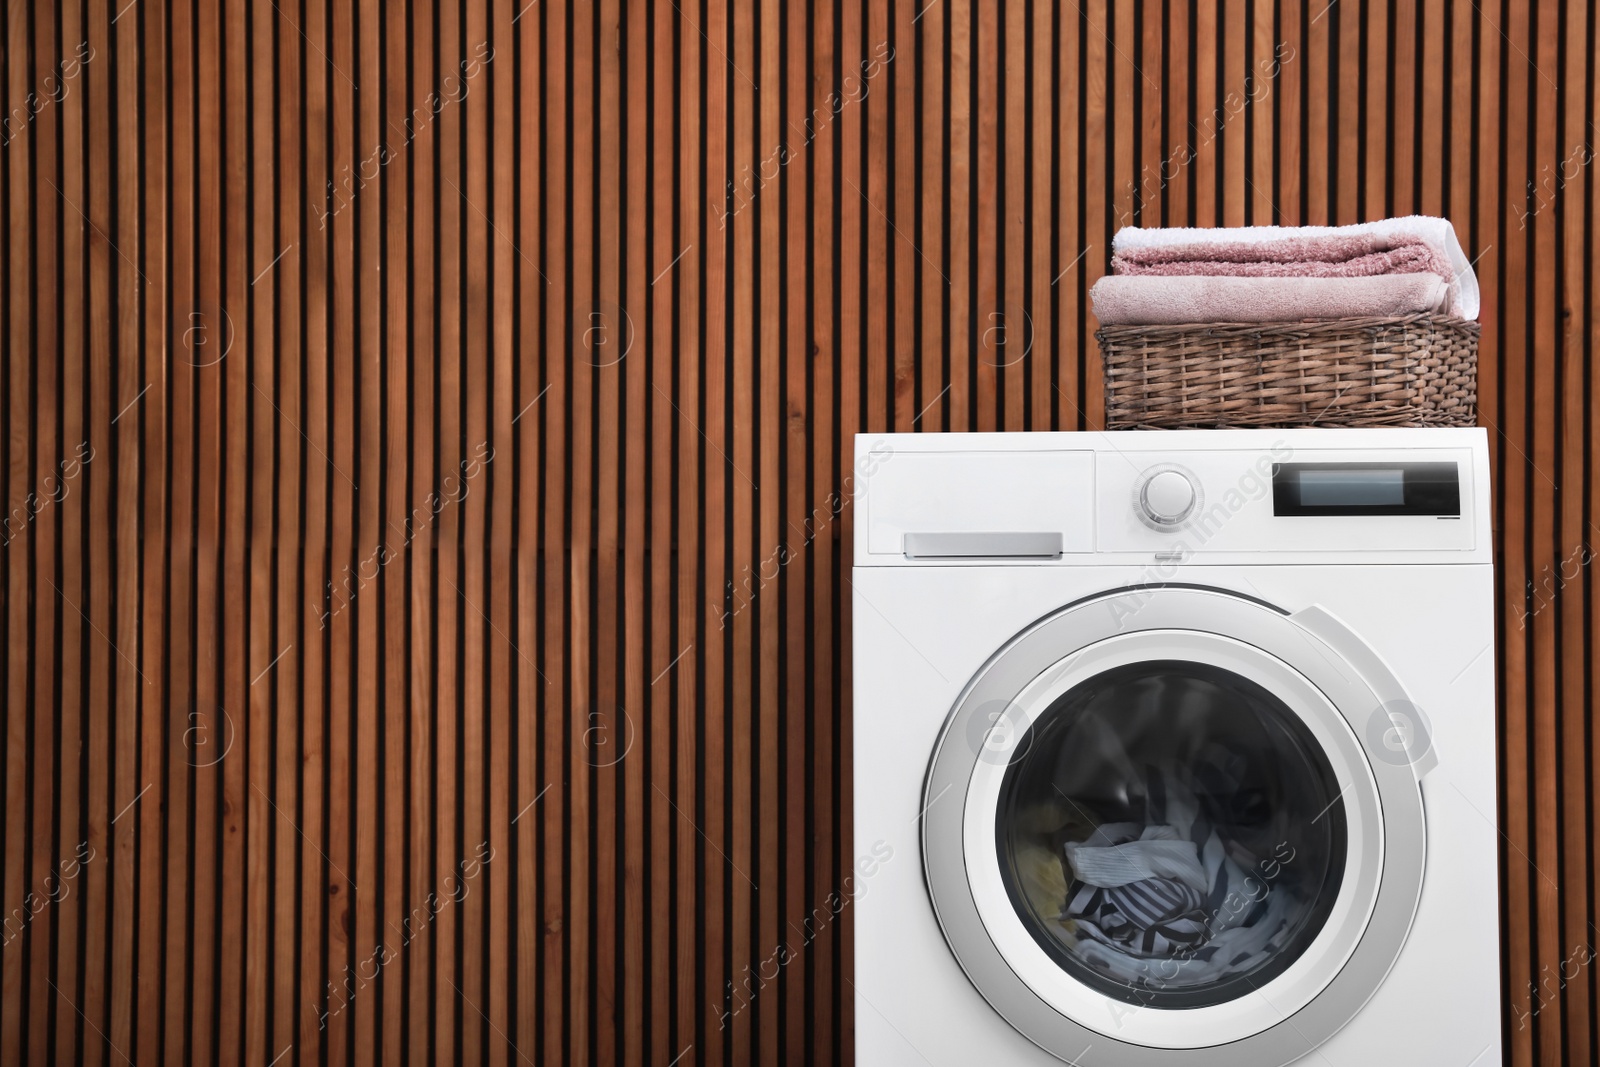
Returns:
<point x="1166" y="498"/>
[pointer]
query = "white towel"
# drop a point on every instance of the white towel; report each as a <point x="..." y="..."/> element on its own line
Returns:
<point x="1437" y="232"/>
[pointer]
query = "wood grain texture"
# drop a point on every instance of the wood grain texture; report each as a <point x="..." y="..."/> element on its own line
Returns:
<point x="427" y="435"/>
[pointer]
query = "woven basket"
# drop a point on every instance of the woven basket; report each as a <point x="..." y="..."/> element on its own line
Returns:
<point x="1417" y="370"/>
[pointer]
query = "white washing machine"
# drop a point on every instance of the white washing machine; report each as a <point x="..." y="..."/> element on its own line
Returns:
<point x="1175" y="748"/>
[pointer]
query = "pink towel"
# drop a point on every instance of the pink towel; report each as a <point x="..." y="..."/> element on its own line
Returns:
<point x="1437" y="232"/>
<point x="1334" y="256"/>
<point x="1170" y="301"/>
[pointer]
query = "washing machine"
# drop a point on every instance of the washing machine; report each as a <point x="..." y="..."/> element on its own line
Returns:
<point x="1175" y="748"/>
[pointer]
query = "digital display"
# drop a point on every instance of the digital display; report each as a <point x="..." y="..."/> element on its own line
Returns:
<point x="1332" y="488"/>
<point x="1354" y="488"/>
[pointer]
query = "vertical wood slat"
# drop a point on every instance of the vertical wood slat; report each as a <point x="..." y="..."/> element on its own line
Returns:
<point x="798" y="531"/>
<point x="204" y="730"/>
<point x="1402" y="141"/>
<point x="826" y="950"/>
<point x="399" y="531"/>
<point x="989" y="318"/>
<point x="741" y="710"/>
<point x="44" y="679"/>
<point x="1375" y="113"/>
<point x="529" y="290"/>
<point x="694" y="197"/>
<point x="1523" y="883"/>
<point x="1014" y="322"/>
<point x="1345" y="84"/>
<point x="151" y="127"/>
<point x="19" y="338"/>
<point x="496" y="483"/>
<point x="126" y="460"/>
<point x="633" y="46"/>
<point x="1043" y="371"/>
<point x="365" y="681"/>
<point x="1208" y="47"/>
<point x="1075" y="247"/>
<point x="290" y="449"/>
<point x="1537" y="32"/>
<point x="68" y="830"/>
<point x="553" y="720"/>
<point x="1261" y="94"/>
<point x="1586" y="338"/>
<point x="479" y="642"/>
<point x="1235" y="180"/>
<point x="1291" y="135"/>
<point x="1576" y="843"/>
<point x="800" y="525"/>
<point x="232" y="720"/>
<point x="1096" y="199"/>
<point x="262" y="1035"/>
<point x="614" y="657"/>
<point x="957" y="191"/>
<point x="102" y="706"/>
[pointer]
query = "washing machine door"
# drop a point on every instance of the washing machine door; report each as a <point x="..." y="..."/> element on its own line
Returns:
<point x="1178" y="826"/>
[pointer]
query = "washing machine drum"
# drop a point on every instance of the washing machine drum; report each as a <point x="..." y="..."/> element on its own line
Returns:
<point x="1175" y="825"/>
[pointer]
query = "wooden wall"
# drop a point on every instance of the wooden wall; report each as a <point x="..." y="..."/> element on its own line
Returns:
<point x="427" y="442"/>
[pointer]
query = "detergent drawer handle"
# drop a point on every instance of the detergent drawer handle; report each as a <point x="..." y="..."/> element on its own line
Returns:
<point x="1008" y="545"/>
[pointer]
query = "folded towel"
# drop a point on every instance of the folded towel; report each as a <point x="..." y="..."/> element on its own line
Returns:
<point x="1343" y="256"/>
<point x="1437" y="232"/>
<point x="1121" y="300"/>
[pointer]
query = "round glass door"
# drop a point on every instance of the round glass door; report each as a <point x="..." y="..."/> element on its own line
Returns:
<point x="1169" y="833"/>
<point x="1152" y="832"/>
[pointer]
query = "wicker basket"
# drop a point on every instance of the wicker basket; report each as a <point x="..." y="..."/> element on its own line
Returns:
<point x="1418" y="370"/>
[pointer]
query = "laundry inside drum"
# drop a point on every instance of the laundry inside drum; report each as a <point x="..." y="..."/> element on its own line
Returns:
<point x="1171" y="834"/>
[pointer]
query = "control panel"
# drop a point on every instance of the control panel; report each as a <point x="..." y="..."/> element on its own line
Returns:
<point x="1223" y="496"/>
<point x="1286" y="500"/>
